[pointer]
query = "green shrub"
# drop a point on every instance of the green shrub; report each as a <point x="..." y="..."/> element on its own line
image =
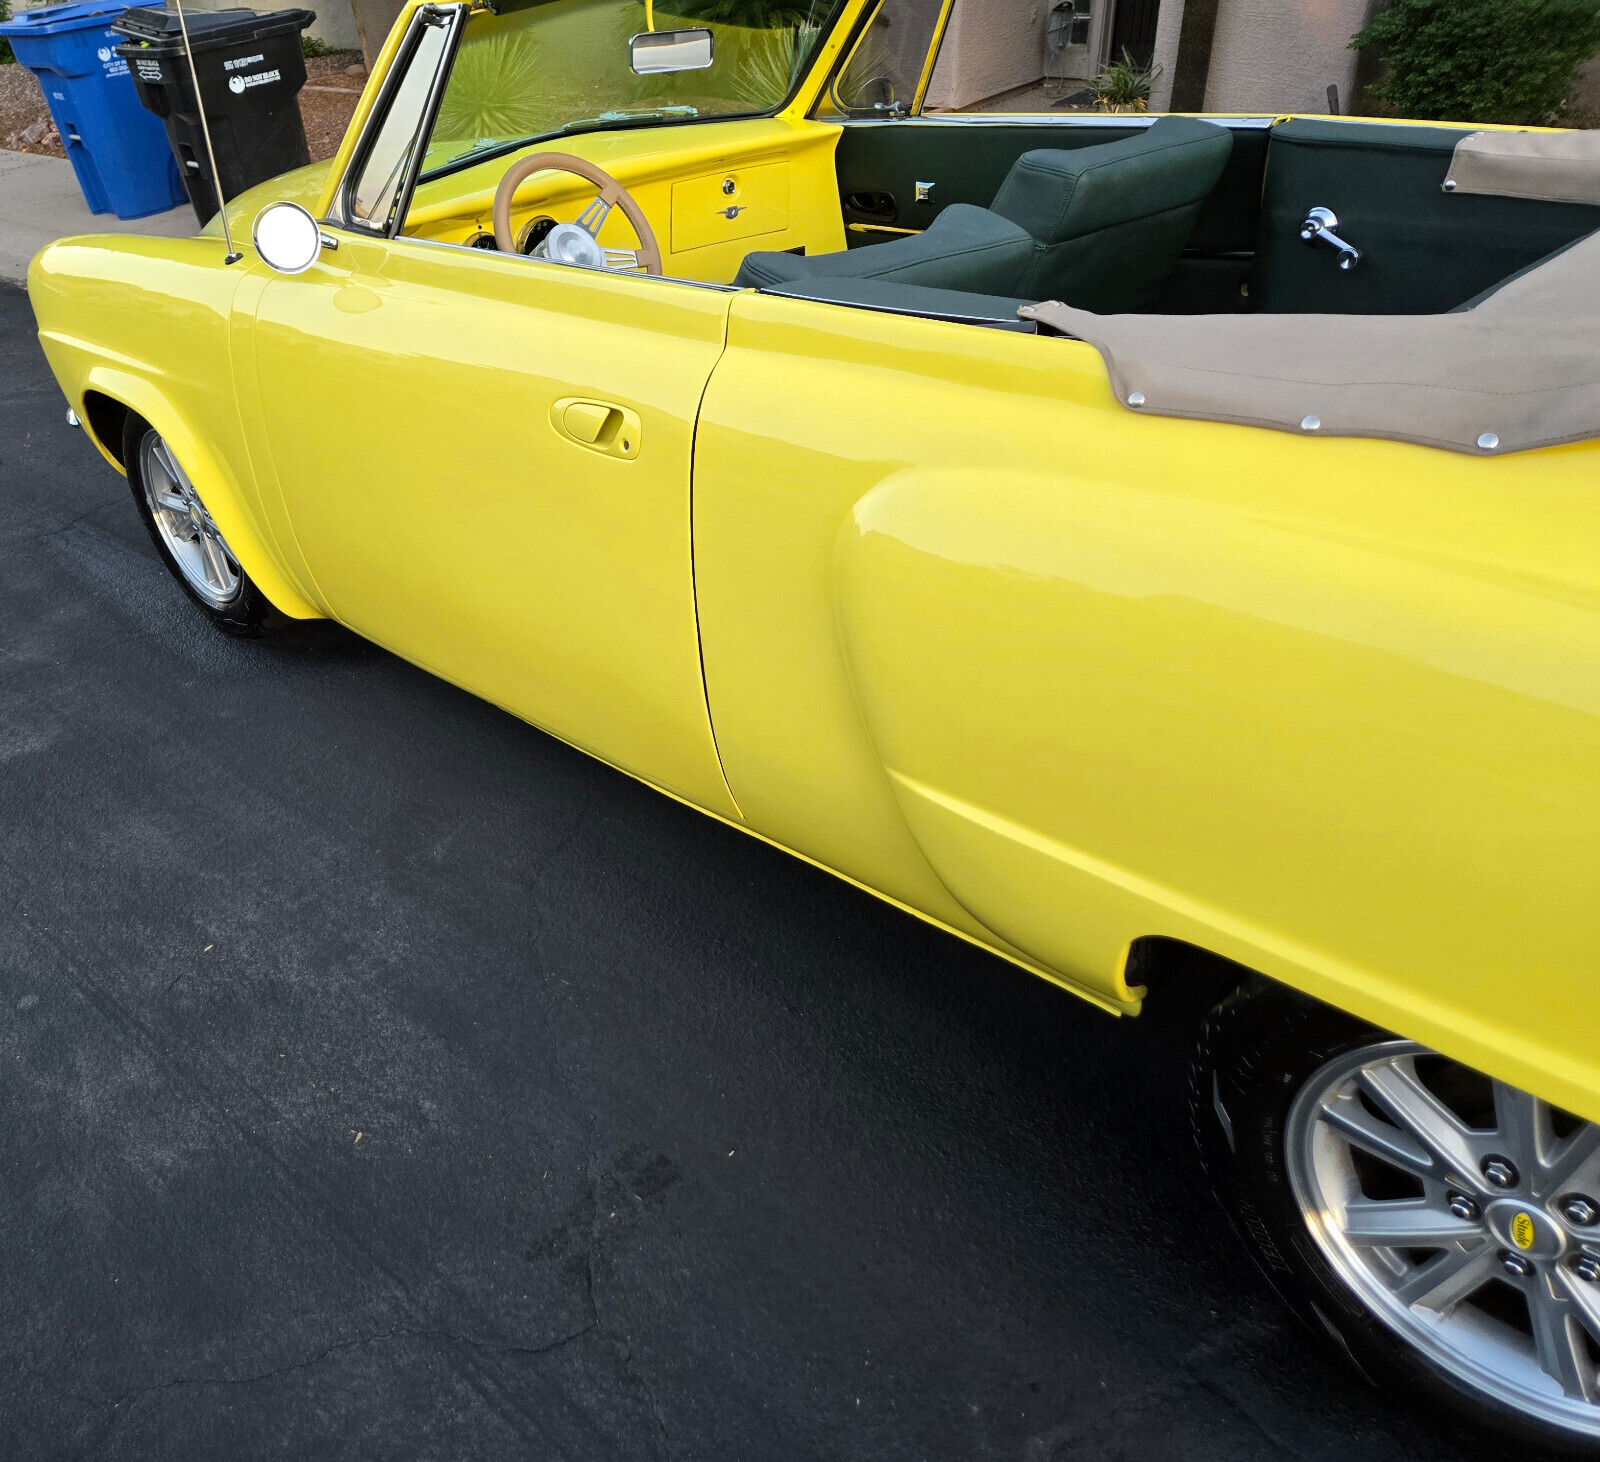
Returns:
<point x="310" y="47"/>
<point x="6" y="53"/>
<point x="1481" y="60"/>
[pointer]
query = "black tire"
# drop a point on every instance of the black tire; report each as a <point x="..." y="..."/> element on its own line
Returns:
<point x="1257" y="1049"/>
<point x="248" y="613"/>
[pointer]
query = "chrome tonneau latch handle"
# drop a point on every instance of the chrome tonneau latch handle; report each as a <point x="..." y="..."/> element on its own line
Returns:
<point x="1319" y="229"/>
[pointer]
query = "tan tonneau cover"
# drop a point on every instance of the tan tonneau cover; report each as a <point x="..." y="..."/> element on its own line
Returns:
<point x="1520" y="370"/>
<point x="1552" y="167"/>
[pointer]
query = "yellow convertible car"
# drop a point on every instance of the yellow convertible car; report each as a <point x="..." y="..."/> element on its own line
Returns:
<point x="1153" y="549"/>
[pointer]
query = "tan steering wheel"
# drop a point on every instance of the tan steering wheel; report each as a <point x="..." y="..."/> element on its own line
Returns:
<point x="612" y="195"/>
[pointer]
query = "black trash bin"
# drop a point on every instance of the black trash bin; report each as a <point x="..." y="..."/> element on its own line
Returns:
<point x="251" y="69"/>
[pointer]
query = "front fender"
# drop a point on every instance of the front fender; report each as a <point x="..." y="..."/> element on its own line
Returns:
<point x="146" y="323"/>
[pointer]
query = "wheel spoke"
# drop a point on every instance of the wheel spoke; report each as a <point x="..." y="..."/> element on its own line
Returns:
<point x="215" y="569"/>
<point x="1558" y="1340"/>
<point x="1523" y="1122"/>
<point x="623" y="259"/>
<point x="1426" y="1119"/>
<point x="1352" y="1121"/>
<point x="1405" y="1223"/>
<point x="594" y="216"/>
<point x="172" y="503"/>
<point x="1442" y="1282"/>
<point x="1571" y="1160"/>
<point x="1583" y="1297"/>
<point x="169" y="467"/>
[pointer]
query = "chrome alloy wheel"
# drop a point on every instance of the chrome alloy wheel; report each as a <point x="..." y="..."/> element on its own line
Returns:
<point x="1465" y="1214"/>
<point x="199" y="550"/>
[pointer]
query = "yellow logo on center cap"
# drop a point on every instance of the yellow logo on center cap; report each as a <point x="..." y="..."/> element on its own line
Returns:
<point x="1523" y="1232"/>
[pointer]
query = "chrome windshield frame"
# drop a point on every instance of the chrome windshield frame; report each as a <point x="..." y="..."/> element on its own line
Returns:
<point x="427" y="17"/>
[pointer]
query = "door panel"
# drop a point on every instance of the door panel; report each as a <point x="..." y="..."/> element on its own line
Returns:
<point x="1424" y="251"/>
<point x="448" y="510"/>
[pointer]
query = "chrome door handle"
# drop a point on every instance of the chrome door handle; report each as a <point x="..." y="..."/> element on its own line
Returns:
<point x="733" y="210"/>
<point x="1319" y="229"/>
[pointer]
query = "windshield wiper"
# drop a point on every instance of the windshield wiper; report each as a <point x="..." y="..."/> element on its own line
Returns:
<point x="489" y="144"/>
<point x="626" y="119"/>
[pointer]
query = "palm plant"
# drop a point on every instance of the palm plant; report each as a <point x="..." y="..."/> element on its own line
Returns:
<point x="758" y="14"/>
<point x="495" y="89"/>
<point x="770" y="62"/>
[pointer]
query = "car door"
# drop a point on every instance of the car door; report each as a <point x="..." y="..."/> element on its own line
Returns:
<point x="485" y="463"/>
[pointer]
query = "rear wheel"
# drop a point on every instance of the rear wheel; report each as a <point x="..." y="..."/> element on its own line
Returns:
<point x="186" y="537"/>
<point x="1441" y="1227"/>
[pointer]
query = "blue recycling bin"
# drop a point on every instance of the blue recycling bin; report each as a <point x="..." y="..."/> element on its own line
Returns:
<point x="118" y="149"/>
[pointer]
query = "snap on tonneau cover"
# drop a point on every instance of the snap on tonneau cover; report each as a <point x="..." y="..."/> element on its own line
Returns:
<point x="1551" y="167"/>
<point x="1519" y="370"/>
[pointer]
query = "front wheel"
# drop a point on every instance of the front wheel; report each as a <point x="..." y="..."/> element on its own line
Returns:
<point x="1441" y="1227"/>
<point x="187" y="539"/>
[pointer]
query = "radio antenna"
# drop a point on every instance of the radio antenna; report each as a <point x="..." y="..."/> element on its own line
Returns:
<point x="234" y="256"/>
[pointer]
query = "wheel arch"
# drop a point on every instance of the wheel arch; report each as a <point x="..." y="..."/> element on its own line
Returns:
<point x="1164" y="967"/>
<point x="110" y="396"/>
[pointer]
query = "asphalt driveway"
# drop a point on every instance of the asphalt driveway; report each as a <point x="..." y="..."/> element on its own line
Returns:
<point x="381" y="1078"/>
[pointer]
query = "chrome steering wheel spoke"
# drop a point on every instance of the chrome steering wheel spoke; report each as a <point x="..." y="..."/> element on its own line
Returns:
<point x="593" y="218"/>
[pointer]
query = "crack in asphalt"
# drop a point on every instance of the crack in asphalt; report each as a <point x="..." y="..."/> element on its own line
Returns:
<point x="618" y="1334"/>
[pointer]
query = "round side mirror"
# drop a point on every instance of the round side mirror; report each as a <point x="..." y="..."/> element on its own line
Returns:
<point x="287" y="237"/>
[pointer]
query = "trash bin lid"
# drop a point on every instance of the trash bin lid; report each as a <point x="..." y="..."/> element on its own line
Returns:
<point x="50" y="20"/>
<point x="160" y="32"/>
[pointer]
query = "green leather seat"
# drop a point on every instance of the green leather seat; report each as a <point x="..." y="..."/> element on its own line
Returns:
<point x="1098" y="227"/>
<point x="964" y="248"/>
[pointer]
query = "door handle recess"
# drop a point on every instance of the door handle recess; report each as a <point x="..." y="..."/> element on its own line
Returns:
<point x="598" y="425"/>
<point x="871" y="207"/>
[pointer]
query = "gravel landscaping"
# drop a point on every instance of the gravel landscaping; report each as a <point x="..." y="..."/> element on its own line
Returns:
<point x="326" y="104"/>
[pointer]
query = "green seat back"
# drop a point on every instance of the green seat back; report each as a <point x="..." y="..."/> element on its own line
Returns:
<point x="1110" y="222"/>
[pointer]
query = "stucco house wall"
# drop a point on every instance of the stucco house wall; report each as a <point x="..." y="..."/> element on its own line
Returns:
<point x="1271" y="56"/>
<point x="1268" y="55"/>
<point x="988" y="49"/>
<point x="1169" y="24"/>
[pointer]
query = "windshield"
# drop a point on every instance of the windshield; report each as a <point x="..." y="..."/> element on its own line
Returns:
<point x="562" y="66"/>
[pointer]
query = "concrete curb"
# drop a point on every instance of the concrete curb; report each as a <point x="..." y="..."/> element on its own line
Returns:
<point x="40" y="202"/>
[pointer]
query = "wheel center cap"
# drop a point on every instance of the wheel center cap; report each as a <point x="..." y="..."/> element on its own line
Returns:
<point x="1524" y="1229"/>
